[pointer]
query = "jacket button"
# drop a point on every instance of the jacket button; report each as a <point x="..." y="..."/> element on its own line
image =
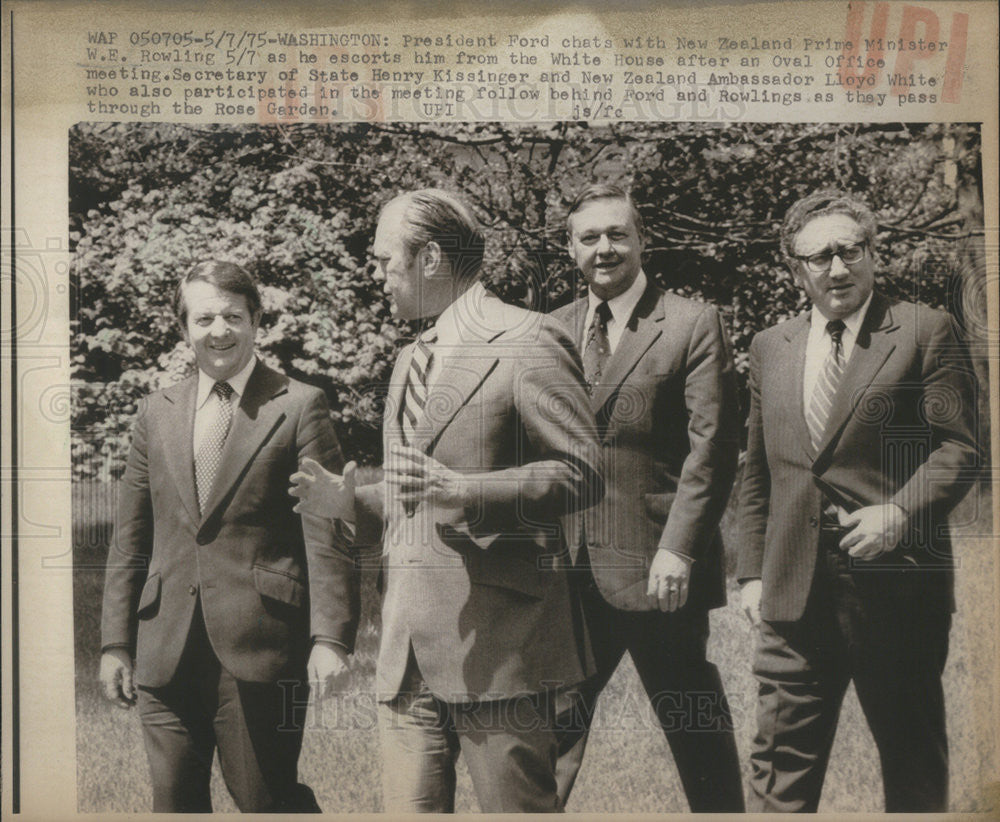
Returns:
<point x="813" y="521"/>
<point x="192" y="590"/>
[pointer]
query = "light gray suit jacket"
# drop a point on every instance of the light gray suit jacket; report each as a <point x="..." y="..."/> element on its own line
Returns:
<point x="482" y="595"/>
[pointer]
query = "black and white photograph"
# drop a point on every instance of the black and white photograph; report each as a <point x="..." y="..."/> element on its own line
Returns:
<point x="619" y="467"/>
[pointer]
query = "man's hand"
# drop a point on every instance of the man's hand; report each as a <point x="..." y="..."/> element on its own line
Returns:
<point x="116" y="677"/>
<point x="750" y="592"/>
<point x="668" y="580"/>
<point x="327" y="668"/>
<point x="412" y="477"/>
<point x="322" y="493"/>
<point x="875" y="529"/>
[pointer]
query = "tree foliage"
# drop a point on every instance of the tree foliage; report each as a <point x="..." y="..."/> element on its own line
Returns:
<point x="297" y="206"/>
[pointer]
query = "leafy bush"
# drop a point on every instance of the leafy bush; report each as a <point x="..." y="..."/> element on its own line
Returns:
<point x="297" y="206"/>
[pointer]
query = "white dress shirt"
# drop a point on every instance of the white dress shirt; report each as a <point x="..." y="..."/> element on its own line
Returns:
<point x="621" y="307"/>
<point x="206" y="401"/>
<point x="819" y="343"/>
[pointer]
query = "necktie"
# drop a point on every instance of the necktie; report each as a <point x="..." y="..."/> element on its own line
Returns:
<point x="415" y="397"/>
<point x="826" y="386"/>
<point x="206" y="461"/>
<point x="596" y="348"/>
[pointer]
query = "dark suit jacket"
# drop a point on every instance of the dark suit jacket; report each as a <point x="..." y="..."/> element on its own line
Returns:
<point x="267" y="580"/>
<point x="666" y="410"/>
<point x="901" y="430"/>
<point x="482" y="595"/>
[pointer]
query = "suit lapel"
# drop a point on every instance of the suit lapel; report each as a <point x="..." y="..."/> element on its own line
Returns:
<point x="179" y="435"/>
<point x="874" y="345"/>
<point x="392" y="429"/>
<point x="642" y="330"/>
<point x="253" y="421"/>
<point x="794" y="363"/>
<point x="576" y="320"/>
<point x="458" y="380"/>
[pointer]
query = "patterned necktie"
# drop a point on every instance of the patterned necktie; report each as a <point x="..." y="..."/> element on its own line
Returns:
<point x="415" y="397"/>
<point x="596" y="348"/>
<point x="206" y="461"/>
<point x="826" y="386"/>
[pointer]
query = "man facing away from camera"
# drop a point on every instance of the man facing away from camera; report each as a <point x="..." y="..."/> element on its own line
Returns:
<point x="861" y="440"/>
<point x="660" y="377"/>
<point x="217" y="592"/>
<point x="488" y="441"/>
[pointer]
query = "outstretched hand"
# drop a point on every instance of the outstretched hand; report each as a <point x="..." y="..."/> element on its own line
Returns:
<point x="750" y="593"/>
<point x="322" y="493"/>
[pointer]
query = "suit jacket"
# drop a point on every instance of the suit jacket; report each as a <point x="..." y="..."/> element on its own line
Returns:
<point x="901" y="430"/>
<point x="481" y="595"/>
<point x="267" y="579"/>
<point x="667" y="416"/>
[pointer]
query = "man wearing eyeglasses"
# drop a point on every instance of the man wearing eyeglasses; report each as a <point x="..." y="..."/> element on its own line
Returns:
<point x="861" y="440"/>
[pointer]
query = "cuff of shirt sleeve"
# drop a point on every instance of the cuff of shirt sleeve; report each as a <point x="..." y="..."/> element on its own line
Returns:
<point x="327" y="640"/>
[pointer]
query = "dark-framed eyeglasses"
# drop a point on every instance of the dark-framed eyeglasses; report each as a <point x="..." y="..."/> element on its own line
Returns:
<point x="820" y="263"/>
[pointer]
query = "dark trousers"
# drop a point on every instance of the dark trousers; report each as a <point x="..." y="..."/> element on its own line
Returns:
<point x="256" y="727"/>
<point x="893" y="648"/>
<point x="684" y="688"/>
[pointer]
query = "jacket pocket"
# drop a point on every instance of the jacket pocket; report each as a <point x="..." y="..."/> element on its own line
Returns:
<point x="278" y="585"/>
<point x="149" y="599"/>
<point x="504" y="571"/>
<point x="498" y="565"/>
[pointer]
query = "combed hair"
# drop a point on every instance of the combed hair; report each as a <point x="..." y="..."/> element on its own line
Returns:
<point x="607" y="191"/>
<point x="819" y="204"/>
<point x="435" y="215"/>
<point x="223" y="275"/>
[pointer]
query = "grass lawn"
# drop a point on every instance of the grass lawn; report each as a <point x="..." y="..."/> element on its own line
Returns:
<point x="628" y="766"/>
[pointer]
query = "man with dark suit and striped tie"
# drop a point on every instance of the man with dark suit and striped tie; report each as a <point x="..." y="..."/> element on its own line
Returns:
<point x="861" y="440"/>
<point x="217" y="593"/>
<point x="489" y="440"/>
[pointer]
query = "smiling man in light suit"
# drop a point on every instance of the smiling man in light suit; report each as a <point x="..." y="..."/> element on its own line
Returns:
<point x="650" y="555"/>
<point x="488" y="442"/>
<point x="861" y="440"/>
<point x="216" y="590"/>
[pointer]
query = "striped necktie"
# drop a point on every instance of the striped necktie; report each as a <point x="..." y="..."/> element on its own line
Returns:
<point x="206" y="461"/>
<point x="415" y="397"/>
<point x="826" y="386"/>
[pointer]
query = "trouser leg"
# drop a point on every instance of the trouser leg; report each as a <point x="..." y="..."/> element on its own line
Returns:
<point x="900" y="648"/>
<point x="419" y="749"/>
<point x="575" y="706"/>
<point x="687" y="694"/>
<point x="801" y="679"/>
<point x="510" y="749"/>
<point x="259" y="728"/>
<point x="179" y="745"/>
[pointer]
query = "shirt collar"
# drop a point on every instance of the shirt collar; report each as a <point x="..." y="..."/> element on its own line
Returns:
<point x="464" y="315"/>
<point x="238" y="383"/>
<point x="624" y="304"/>
<point x="852" y="322"/>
